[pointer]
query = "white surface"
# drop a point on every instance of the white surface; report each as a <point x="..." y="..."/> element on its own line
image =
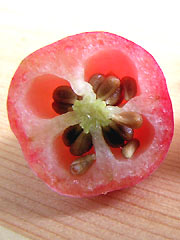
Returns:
<point x="6" y="234"/>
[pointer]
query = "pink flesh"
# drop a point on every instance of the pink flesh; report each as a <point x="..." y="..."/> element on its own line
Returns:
<point x="73" y="59"/>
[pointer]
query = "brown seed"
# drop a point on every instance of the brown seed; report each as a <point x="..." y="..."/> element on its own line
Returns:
<point x="82" y="164"/>
<point x="125" y="132"/>
<point x="61" y="108"/>
<point x="108" y="87"/>
<point x="96" y="81"/>
<point x="112" y="137"/>
<point x="129" y="149"/>
<point x="64" y="94"/>
<point x="70" y="134"/>
<point x="115" y="98"/>
<point x="130" y="87"/>
<point x="129" y="119"/>
<point x="82" y="144"/>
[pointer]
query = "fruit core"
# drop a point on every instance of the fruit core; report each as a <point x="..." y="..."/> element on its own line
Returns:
<point x="91" y="113"/>
<point x="95" y="110"/>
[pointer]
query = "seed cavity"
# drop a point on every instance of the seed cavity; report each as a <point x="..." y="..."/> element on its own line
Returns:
<point x="130" y="87"/>
<point x="61" y="108"/>
<point x="70" y="134"/>
<point x="130" y="148"/>
<point x="96" y="81"/>
<point x="82" y="144"/>
<point x="112" y="137"/>
<point x="115" y="98"/>
<point x="82" y="164"/>
<point x="64" y="98"/>
<point x="64" y="94"/>
<point x="107" y="87"/>
<point x="125" y="132"/>
<point x="130" y="119"/>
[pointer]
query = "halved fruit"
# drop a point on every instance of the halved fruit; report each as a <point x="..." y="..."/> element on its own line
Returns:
<point x="92" y="113"/>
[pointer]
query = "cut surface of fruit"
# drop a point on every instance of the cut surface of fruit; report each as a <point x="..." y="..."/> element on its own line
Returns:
<point x="92" y="113"/>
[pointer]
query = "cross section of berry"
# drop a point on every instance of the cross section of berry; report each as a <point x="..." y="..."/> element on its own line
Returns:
<point x="94" y="111"/>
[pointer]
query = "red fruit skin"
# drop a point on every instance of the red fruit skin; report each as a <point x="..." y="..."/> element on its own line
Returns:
<point x="72" y="59"/>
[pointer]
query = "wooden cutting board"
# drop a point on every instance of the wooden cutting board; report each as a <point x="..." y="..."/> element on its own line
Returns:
<point x="28" y="208"/>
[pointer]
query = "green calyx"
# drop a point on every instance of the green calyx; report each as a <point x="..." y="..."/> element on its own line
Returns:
<point x="91" y="113"/>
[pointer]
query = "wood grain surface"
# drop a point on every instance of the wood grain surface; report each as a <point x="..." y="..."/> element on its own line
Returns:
<point x="28" y="208"/>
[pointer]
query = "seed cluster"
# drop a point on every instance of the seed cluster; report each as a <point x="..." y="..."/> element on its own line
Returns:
<point x="115" y="134"/>
<point x="64" y="98"/>
<point x="119" y="131"/>
<point x="77" y="139"/>
<point x="107" y="89"/>
<point x="130" y="88"/>
<point x="82" y="164"/>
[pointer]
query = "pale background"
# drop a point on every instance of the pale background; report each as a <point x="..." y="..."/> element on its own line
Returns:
<point x="28" y="209"/>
